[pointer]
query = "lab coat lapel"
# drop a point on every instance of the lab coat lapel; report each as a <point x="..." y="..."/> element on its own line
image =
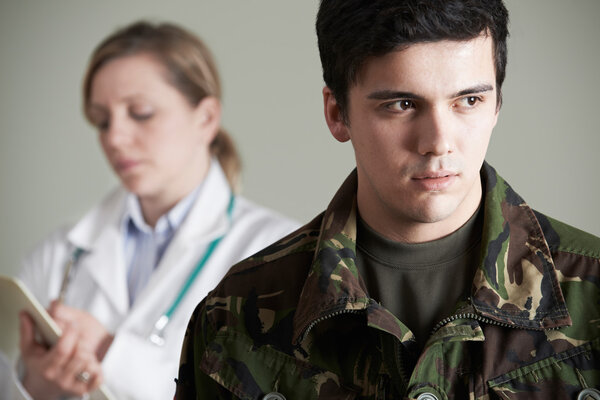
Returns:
<point x="98" y="234"/>
<point x="206" y="221"/>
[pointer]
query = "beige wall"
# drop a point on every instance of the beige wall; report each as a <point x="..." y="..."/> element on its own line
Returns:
<point x="51" y="169"/>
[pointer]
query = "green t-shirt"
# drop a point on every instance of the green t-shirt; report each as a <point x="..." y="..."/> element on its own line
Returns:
<point x="419" y="283"/>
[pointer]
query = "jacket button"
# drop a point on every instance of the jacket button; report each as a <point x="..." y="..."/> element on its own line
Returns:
<point x="427" y="396"/>
<point x="589" y="394"/>
<point x="274" y="396"/>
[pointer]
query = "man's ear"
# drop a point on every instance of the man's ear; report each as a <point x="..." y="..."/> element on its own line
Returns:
<point x="334" y="118"/>
<point x="498" y="106"/>
<point x="496" y="117"/>
<point x="208" y="118"/>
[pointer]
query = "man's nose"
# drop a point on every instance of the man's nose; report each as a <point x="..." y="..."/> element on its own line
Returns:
<point x="435" y="134"/>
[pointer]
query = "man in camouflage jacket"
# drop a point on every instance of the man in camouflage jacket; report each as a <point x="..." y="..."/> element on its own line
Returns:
<point x="412" y="85"/>
<point x="295" y="319"/>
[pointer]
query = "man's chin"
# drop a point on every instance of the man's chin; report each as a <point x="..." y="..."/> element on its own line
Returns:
<point x="437" y="212"/>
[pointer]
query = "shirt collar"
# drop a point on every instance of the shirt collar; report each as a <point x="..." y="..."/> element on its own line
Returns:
<point x="168" y="222"/>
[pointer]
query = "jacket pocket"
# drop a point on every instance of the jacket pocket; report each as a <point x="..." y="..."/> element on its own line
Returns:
<point x="561" y="376"/>
<point x="251" y="372"/>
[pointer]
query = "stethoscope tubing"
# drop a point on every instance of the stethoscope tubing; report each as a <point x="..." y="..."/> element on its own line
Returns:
<point x="156" y="336"/>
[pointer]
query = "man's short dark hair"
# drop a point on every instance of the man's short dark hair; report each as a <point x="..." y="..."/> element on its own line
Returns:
<point x="351" y="31"/>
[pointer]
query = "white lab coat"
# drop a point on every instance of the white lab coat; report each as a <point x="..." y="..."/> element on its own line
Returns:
<point x="133" y="367"/>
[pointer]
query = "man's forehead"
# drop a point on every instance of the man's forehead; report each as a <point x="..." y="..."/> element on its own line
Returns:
<point x="420" y="62"/>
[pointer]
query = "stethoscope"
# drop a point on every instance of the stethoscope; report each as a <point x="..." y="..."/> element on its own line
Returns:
<point x="156" y="336"/>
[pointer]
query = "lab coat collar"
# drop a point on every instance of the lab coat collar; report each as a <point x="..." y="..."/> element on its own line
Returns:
<point x="101" y="229"/>
<point x="207" y="218"/>
<point x="105" y="217"/>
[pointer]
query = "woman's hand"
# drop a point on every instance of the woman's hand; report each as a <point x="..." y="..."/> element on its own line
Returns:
<point x="92" y="336"/>
<point x="64" y="369"/>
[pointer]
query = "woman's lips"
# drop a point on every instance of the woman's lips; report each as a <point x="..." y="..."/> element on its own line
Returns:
<point x="126" y="165"/>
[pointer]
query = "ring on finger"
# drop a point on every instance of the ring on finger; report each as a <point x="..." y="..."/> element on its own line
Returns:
<point x="83" y="376"/>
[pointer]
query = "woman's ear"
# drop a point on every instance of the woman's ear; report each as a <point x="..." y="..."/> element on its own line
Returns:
<point x="208" y="118"/>
<point x="334" y="118"/>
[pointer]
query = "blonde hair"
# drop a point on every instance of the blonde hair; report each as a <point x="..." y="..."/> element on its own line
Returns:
<point x="190" y="67"/>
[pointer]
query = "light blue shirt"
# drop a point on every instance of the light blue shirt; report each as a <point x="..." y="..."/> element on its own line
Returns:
<point x="144" y="246"/>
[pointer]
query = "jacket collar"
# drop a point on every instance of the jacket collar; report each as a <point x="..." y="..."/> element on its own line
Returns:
<point x="515" y="283"/>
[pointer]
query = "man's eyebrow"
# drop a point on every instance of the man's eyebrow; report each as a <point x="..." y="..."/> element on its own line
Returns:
<point x="392" y="94"/>
<point x="484" y="87"/>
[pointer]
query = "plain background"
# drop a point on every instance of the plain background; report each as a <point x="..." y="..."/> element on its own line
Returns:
<point x="52" y="170"/>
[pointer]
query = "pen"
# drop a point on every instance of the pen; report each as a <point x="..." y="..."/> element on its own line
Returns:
<point x="67" y="275"/>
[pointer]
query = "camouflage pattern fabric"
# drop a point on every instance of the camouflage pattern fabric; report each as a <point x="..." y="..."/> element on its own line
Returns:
<point x="295" y="319"/>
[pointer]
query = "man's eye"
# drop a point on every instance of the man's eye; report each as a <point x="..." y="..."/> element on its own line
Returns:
<point x="402" y="105"/>
<point x="469" y="101"/>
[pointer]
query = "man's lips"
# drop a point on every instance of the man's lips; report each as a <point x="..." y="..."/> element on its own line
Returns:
<point x="434" y="175"/>
<point x="435" y="180"/>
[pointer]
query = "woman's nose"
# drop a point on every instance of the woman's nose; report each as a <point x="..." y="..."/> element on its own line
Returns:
<point x="117" y="133"/>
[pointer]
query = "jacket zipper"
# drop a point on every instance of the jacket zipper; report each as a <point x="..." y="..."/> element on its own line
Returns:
<point x="474" y="316"/>
<point x="479" y="318"/>
<point x="400" y="366"/>
<point x="396" y="342"/>
<point x="326" y="317"/>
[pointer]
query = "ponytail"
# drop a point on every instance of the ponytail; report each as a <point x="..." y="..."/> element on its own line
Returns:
<point x="224" y="149"/>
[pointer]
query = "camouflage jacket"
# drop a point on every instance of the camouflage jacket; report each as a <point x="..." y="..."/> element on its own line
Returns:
<point x="296" y="320"/>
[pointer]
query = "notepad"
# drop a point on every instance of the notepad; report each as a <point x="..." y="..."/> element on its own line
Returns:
<point x="14" y="297"/>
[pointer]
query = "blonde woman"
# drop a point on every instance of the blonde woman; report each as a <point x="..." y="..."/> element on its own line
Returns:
<point x="138" y="263"/>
